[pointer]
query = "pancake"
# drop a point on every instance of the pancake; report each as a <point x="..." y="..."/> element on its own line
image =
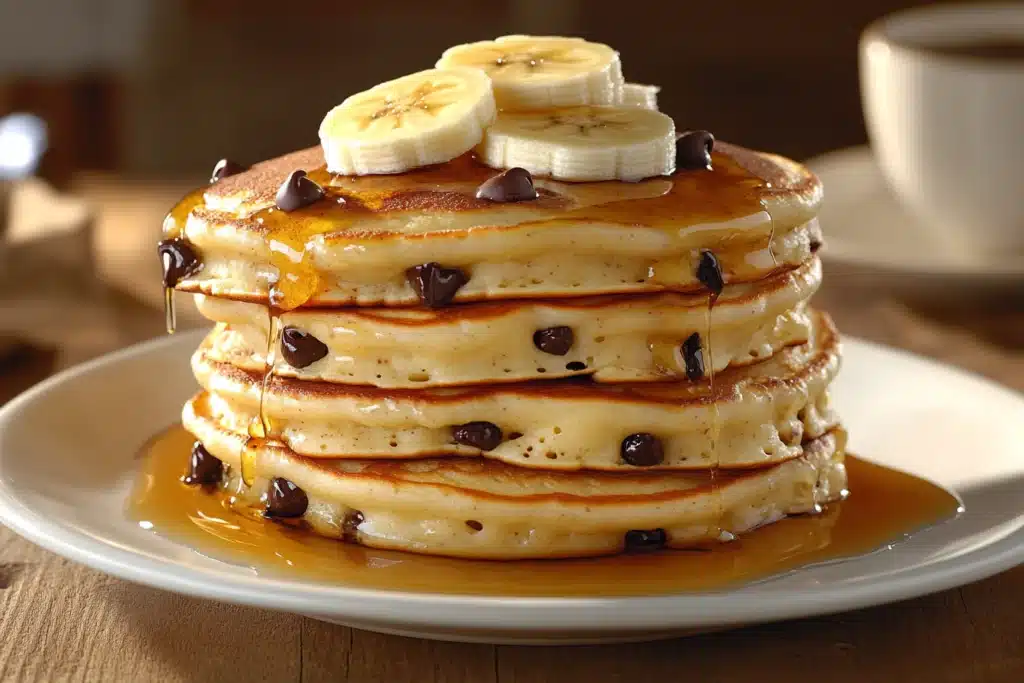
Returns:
<point x="465" y="507"/>
<point x="615" y="338"/>
<point x="749" y="416"/>
<point x="755" y="212"/>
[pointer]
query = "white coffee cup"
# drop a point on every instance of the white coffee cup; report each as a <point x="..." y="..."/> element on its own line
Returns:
<point x="948" y="129"/>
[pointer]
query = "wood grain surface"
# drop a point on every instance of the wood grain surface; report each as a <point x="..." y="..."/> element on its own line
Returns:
<point x="60" y="621"/>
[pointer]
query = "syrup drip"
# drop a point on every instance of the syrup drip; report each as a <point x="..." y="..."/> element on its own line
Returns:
<point x="771" y="234"/>
<point x="174" y="226"/>
<point x="866" y="521"/>
<point x="716" y="420"/>
<point x="170" y="312"/>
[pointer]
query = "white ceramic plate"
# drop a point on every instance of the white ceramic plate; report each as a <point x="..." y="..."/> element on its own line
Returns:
<point x="66" y="464"/>
<point x="865" y="225"/>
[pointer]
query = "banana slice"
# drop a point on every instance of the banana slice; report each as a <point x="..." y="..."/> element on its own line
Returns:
<point x="583" y="143"/>
<point x="639" y="95"/>
<point x="424" y="118"/>
<point x="534" y="72"/>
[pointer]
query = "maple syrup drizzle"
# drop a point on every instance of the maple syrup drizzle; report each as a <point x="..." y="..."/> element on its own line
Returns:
<point x="174" y="226"/>
<point x="716" y="420"/>
<point x="866" y="521"/>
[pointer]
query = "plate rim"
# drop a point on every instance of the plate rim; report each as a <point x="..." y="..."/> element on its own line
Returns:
<point x="855" y="256"/>
<point x="507" y="613"/>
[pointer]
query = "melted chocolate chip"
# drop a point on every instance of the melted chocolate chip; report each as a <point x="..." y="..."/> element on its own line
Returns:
<point x="650" y="539"/>
<point x="298" y="191"/>
<point x="576" y="366"/>
<point x="554" y="340"/>
<point x="225" y="168"/>
<point x="709" y="272"/>
<point x="301" y="349"/>
<point x="483" y="435"/>
<point x="514" y="185"/>
<point x="693" y="150"/>
<point x="814" y="246"/>
<point x="179" y="260"/>
<point x="642" y="450"/>
<point x="203" y="467"/>
<point x="350" y="526"/>
<point x="693" y="356"/>
<point x="285" y="500"/>
<point x="435" y="285"/>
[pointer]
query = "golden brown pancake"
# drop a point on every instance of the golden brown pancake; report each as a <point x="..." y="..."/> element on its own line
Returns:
<point x="750" y="416"/>
<point x="755" y="212"/>
<point x="464" y="507"/>
<point x="614" y="338"/>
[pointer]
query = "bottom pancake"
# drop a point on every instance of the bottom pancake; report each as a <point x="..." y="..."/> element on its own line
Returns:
<point x="467" y="507"/>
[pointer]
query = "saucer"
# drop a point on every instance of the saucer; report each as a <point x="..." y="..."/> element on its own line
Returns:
<point x="866" y="226"/>
<point x="67" y="463"/>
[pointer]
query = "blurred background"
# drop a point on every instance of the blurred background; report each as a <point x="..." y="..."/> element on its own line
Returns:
<point x="166" y="87"/>
<point x="141" y="97"/>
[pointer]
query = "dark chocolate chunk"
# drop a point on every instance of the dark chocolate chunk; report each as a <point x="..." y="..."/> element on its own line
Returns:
<point x="814" y="246"/>
<point x="179" y="260"/>
<point x="513" y="185"/>
<point x="709" y="272"/>
<point x="435" y="285"/>
<point x="225" y="168"/>
<point x="576" y="366"/>
<point x="350" y="526"/>
<point x="298" y="191"/>
<point x="285" y="500"/>
<point x="650" y="539"/>
<point x="483" y="435"/>
<point x="642" y="450"/>
<point x="203" y="467"/>
<point x="301" y="349"/>
<point x="693" y="150"/>
<point x="554" y="340"/>
<point x="693" y="356"/>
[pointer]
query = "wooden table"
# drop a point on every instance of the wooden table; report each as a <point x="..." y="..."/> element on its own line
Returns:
<point x="61" y="621"/>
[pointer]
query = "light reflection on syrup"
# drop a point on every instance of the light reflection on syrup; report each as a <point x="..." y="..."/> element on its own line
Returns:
<point x="868" y="520"/>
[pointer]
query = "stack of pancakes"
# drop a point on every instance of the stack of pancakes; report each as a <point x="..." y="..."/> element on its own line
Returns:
<point x="423" y="361"/>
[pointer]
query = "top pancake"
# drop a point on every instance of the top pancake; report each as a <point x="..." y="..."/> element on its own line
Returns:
<point x="754" y="211"/>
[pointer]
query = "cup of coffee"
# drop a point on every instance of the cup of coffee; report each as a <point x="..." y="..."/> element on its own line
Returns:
<point x="943" y="94"/>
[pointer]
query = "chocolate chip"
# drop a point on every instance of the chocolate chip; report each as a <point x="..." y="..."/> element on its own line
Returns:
<point x="642" y="450"/>
<point x="709" y="272"/>
<point x="285" y="500"/>
<point x="179" y="260"/>
<point x="554" y="340"/>
<point x="514" y="185"/>
<point x="693" y="150"/>
<point x="203" y="467"/>
<point x="301" y="349"/>
<point x="435" y="285"/>
<point x="651" y="539"/>
<point x="575" y="366"/>
<point x="350" y="525"/>
<point x="298" y="191"/>
<point x="815" y="245"/>
<point x="225" y="168"/>
<point x="693" y="356"/>
<point x="483" y="435"/>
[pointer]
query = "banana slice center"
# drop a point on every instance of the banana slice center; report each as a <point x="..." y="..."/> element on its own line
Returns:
<point x="528" y="61"/>
<point x="427" y="99"/>
<point x="584" y="123"/>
